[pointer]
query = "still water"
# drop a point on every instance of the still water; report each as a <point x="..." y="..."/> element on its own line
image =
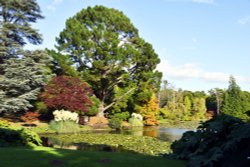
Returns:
<point x="162" y="133"/>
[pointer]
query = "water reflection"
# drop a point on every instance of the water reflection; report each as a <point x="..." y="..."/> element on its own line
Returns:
<point x="162" y="133"/>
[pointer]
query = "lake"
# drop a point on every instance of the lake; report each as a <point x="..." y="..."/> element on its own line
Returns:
<point x="161" y="133"/>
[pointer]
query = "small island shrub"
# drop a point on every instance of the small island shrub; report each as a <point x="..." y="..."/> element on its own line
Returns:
<point x="116" y="119"/>
<point x="64" y="115"/>
<point x="136" y="120"/>
<point x="115" y="123"/>
<point x="64" y="126"/>
<point x="64" y="122"/>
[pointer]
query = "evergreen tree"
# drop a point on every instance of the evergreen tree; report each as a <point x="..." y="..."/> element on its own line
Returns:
<point x="16" y="17"/>
<point x="22" y="81"/>
<point x="245" y="101"/>
<point x="106" y="49"/>
<point x="232" y="104"/>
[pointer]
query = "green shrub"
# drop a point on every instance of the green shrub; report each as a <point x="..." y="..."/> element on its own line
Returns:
<point x="10" y="136"/>
<point x="115" y="123"/>
<point x="41" y="107"/>
<point x="64" y="126"/>
<point x="122" y="115"/>
<point x="135" y="122"/>
<point x="221" y="141"/>
<point x="4" y="123"/>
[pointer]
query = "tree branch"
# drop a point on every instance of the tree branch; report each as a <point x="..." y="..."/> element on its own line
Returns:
<point x="117" y="100"/>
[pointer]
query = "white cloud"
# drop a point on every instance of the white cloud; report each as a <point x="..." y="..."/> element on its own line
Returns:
<point x="54" y="4"/>
<point x="193" y="71"/>
<point x="244" y="20"/>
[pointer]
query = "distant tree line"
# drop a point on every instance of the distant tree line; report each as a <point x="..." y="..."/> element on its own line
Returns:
<point x="188" y="105"/>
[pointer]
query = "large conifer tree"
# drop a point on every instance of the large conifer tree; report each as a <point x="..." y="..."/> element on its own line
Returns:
<point x="233" y="102"/>
<point x="22" y="81"/>
<point x="16" y="17"/>
<point x="106" y="48"/>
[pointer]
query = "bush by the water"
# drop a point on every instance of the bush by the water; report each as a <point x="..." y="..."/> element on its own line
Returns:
<point x="64" y="115"/>
<point x="222" y="141"/>
<point x="13" y="136"/>
<point x="64" y="126"/>
<point x="65" y="122"/>
<point x="115" y="123"/>
<point x="135" y="121"/>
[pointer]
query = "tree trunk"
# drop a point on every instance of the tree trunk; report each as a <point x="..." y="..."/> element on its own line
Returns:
<point x="101" y="110"/>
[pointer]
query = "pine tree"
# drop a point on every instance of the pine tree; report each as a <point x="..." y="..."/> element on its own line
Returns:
<point x="106" y="49"/>
<point x="233" y="103"/>
<point x="15" y="27"/>
<point x="22" y="81"/>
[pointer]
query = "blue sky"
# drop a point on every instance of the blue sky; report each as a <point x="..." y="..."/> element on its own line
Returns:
<point x="200" y="42"/>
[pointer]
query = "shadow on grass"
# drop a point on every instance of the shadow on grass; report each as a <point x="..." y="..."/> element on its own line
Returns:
<point x="52" y="157"/>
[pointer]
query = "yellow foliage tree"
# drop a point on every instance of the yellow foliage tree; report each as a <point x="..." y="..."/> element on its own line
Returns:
<point x="150" y="110"/>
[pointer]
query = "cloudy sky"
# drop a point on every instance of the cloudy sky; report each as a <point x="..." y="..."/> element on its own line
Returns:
<point x="200" y="42"/>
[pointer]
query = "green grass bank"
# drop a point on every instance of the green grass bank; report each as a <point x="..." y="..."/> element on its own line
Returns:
<point x="51" y="157"/>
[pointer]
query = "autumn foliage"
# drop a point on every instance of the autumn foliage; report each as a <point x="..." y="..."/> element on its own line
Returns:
<point x="65" y="92"/>
<point x="30" y="117"/>
<point x="149" y="111"/>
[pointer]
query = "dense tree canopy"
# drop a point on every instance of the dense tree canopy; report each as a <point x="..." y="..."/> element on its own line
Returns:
<point x="65" y="92"/>
<point x="182" y="105"/>
<point x="22" y="81"/>
<point x="105" y="47"/>
<point x="16" y="17"/>
<point x="232" y="104"/>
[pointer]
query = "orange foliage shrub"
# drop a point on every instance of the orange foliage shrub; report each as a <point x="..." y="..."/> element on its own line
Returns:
<point x="149" y="111"/>
<point x="30" y="117"/>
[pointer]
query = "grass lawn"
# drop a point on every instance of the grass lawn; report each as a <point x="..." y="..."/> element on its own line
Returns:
<point x="51" y="157"/>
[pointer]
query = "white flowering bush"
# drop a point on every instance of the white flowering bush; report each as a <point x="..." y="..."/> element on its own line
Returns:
<point x="136" y="120"/>
<point x="65" y="122"/>
<point x="64" y="115"/>
<point x="138" y="116"/>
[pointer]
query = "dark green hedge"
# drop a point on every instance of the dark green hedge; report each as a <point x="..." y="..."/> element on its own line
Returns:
<point x="221" y="141"/>
<point x="12" y="136"/>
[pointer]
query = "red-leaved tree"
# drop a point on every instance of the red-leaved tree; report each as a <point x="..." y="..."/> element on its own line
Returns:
<point x="65" y="92"/>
